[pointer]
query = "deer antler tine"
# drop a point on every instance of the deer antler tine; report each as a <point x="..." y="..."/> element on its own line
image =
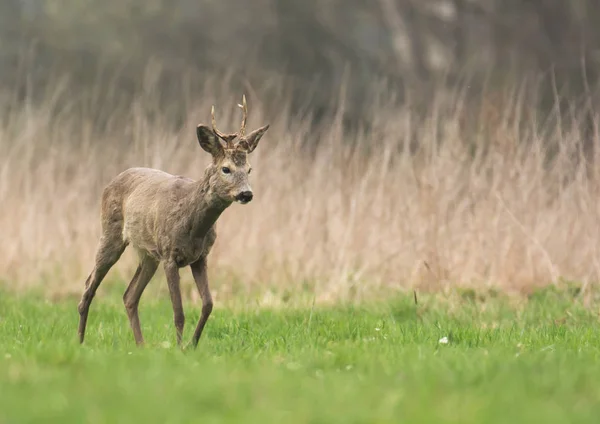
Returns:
<point x="244" y="108"/>
<point x="219" y="134"/>
<point x="214" y="122"/>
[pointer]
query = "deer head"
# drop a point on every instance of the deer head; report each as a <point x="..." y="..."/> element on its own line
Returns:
<point x="230" y="167"/>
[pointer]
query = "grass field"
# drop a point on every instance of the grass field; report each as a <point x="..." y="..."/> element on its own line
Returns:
<point x="505" y="360"/>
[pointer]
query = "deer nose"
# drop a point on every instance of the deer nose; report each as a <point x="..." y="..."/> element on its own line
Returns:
<point x="244" y="196"/>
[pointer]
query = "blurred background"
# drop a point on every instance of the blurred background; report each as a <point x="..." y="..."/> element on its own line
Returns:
<point x="312" y="46"/>
<point x="429" y="142"/>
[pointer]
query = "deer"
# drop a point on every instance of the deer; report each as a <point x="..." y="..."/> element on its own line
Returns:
<point x="171" y="219"/>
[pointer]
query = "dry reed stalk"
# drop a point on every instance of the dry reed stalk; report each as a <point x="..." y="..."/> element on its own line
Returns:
<point x="341" y="218"/>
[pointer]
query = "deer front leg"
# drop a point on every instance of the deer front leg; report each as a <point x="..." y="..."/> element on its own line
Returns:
<point x="201" y="279"/>
<point x="172" y="274"/>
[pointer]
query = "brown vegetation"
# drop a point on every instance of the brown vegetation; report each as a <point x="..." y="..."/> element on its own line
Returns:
<point x="469" y="195"/>
<point x="413" y="143"/>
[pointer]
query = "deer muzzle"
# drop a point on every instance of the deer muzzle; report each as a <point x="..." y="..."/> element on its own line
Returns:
<point x="244" y="197"/>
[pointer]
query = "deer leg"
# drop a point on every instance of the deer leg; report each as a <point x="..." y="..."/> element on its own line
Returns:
<point x="172" y="274"/>
<point x="108" y="254"/>
<point x="201" y="279"/>
<point x="131" y="298"/>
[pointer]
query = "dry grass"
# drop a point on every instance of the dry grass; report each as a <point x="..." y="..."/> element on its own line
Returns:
<point x="356" y="214"/>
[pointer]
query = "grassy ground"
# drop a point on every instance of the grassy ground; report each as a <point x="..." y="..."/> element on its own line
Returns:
<point x="531" y="361"/>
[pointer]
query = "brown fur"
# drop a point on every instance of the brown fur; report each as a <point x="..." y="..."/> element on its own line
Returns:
<point x="170" y="219"/>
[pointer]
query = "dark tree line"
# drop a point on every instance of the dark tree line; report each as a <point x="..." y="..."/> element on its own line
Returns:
<point x="311" y="45"/>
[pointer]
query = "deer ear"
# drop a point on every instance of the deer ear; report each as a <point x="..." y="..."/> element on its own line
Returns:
<point x="250" y="141"/>
<point x="209" y="141"/>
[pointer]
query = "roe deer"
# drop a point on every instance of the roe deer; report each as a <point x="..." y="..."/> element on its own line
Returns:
<point x="171" y="219"/>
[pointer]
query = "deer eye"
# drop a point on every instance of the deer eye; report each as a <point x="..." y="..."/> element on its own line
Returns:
<point x="249" y="171"/>
<point x="226" y="170"/>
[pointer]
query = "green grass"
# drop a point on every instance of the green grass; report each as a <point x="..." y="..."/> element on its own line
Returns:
<point x="537" y="361"/>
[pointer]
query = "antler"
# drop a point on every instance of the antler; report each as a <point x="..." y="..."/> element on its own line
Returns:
<point x="244" y="108"/>
<point x="227" y="138"/>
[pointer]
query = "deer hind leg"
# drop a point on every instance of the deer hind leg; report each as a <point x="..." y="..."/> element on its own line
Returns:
<point x="201" y="279"/>
<point x="109" y="252"/>
<point x="131" y="298"/>
<point x="172" y="274"/>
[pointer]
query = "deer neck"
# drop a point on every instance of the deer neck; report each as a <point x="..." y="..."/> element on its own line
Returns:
<point x="206" y="205"/>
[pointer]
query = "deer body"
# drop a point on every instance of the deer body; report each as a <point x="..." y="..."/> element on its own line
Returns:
<point x="167" y="217"/>
<point x="170" y="219"/>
